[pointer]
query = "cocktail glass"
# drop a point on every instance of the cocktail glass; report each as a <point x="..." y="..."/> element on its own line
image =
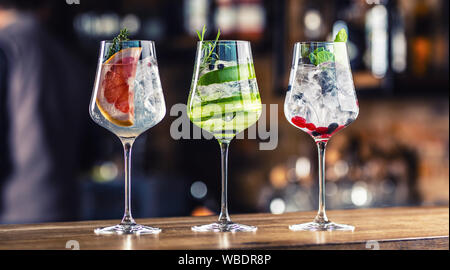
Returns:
<point x="224" y="100"/>
<point x="127" y="99"/>
<point x="321" y="100"/>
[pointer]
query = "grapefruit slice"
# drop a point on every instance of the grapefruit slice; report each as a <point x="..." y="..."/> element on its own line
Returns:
<point x="115" y="98"/>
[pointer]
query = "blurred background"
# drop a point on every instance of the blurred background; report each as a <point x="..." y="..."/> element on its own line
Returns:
<point x="395" y="154"/>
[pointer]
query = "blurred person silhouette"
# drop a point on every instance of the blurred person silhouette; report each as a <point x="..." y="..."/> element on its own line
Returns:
<point x="43" y="118"/>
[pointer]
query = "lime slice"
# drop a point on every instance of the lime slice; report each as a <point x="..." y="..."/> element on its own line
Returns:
<point x="228" y="74"/>
<point x="340" y="48"/>
<point x="341" y="36"/>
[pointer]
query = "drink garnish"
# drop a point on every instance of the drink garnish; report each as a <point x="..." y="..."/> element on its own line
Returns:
<point x="117" y="46"/>
<point x="323" y="132"/>
<point x="341" y="36"/>
<point x="228" y="74"/>
<point x="115" y="97"/>
<point x="321" y="55"/>
<point x="223" y="73"/>
<point x="208" y="47"/>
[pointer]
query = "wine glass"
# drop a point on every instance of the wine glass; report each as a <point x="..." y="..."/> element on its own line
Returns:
<point x="127" y="100"/>
<point x="321" y="100"/>
<point x="224" y="100"/>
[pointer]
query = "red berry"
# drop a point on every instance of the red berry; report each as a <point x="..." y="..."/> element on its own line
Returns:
<point x="298" y="121"/>
<point x="310" y="126"/>
<point x="322" y="130"/>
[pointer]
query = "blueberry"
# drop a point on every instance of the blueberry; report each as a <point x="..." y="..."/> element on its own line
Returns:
<point x="332" y="127"/>
<point x="327" y="80"/>
<point x="349" y="121"/>
<point x="211" y="67"/>
<point x="289" y="87"/>
<point x="315" y="133"/>
<point x="220" y="66"/>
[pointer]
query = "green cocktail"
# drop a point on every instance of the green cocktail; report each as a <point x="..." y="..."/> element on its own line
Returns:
<point x="226" y="100"/>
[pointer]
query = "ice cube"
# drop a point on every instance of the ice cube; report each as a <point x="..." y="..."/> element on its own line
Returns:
<point x="326" y="77"/>
<point x="344" y="80"/>
<point x="347" y="102"/>
<point x="311" y="115"/>
<point x="307" y="82"/>
<point x="148" y="97"/>
<point x="331" y="101"/>
<point x="311" y="91"/>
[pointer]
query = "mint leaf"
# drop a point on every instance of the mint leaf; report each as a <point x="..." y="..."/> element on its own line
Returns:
<point x="324" y="56"/>
<point x="341" y="36"/>
<point x="320" y="55"/>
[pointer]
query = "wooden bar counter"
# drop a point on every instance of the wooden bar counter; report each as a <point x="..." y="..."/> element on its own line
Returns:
<point x="388" y="228"/>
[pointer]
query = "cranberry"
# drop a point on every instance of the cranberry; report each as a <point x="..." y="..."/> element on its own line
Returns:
<point x="322" y="130"/>
<point x="299" y="121"/>
<point x="310" y="126"/>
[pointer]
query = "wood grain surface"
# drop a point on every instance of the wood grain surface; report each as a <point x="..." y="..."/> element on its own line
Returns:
<point x="385" y="228"/>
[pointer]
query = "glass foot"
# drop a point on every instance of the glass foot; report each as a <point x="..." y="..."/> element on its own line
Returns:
<point x="315" y="226"/>
<point x="224" y="227"/>
<point x="127" y="229"/>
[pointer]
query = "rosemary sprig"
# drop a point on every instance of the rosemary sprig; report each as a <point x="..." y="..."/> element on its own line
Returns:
<point x="117" y="46"/>
<point x="208" y="47"/>
<point x="201" y="36"/>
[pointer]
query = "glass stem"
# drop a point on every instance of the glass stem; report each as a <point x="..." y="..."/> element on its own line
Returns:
<point x="224" y="217"/>
<point x="321" y="215"/>
<point x="127" y="218"/>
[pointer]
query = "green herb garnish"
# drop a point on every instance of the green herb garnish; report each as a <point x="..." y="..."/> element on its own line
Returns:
<point x="321" y="55"/>
<point x="117" y="46"/>
<point x="208" y="47"/>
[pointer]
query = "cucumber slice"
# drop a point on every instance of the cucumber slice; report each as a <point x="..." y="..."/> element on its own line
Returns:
<point x="228" y="74"/>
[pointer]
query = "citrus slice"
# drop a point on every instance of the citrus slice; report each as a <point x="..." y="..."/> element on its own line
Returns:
<point x="115" y="98"/>
<point x="228" y="74"/>
<point x="341" y="36"/>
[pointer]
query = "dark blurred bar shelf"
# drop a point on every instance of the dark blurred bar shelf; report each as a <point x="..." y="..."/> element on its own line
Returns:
<point x="386" y="228"/>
